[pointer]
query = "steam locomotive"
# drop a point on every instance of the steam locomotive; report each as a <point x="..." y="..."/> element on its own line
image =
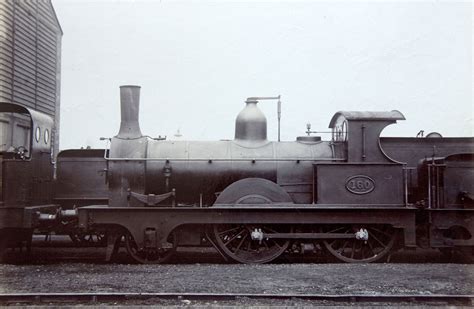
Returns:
<point x="357" y="196"/>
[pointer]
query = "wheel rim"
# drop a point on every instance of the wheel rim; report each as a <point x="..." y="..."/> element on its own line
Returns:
<point x="147" y="255"/>
<point x="236" y="242"/>
<point x="379" y="243"/>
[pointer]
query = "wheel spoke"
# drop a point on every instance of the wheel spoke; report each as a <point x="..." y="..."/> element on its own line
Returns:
<point x="241" y="242"/>
<point x="229" y="230"/>
<point x="277" y="244"/>
<point x="362" y="249"/>
<point x="344" y="246"/>
<point x="370" y="247"/>
<point x="266" y="245"/>
<point x="381" y="243"/>
<point x="337" y="229"/>
<point x="233" y="237"/>
<point x="381" y="232"/>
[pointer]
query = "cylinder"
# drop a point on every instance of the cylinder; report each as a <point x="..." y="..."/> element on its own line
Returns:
<point x="130" y="105"/>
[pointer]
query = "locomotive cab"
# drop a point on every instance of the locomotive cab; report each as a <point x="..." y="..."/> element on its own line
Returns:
<point x="368" y="176"/>
<point x="359" y="134"/>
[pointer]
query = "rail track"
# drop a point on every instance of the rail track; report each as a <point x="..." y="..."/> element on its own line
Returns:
<point x="45" y="298"/>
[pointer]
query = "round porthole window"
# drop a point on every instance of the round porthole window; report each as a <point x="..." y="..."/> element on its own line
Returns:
<point x="37" y="134"/>
<point x="46" y="136"/>
<point x="344" y="131"/>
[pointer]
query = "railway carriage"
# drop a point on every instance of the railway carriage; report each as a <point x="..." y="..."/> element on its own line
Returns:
<point x="26" y="171"/>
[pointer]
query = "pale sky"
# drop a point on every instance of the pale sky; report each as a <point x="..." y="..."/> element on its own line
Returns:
<point x="197" y="61"/>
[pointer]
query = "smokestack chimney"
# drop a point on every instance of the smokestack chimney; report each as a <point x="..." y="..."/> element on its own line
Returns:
<point x="129" y="104"/>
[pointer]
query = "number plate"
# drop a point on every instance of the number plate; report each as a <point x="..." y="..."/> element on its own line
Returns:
<point x="360" y="184"/>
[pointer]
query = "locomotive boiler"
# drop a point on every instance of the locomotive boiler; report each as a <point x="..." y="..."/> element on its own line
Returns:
<point x="145" y="170"/>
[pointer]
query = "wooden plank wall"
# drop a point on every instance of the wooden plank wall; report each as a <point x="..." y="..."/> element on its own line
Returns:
<point x="30" y="58"/>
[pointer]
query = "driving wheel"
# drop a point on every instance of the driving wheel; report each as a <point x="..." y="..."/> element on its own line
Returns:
<point x="244" y="244"/>
<point x="373" y="243"/>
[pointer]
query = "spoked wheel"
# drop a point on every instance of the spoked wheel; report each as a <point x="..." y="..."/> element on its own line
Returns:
<point x="148" y="255"/>
<point x="237" y="243"/>
<point x="97" y="239"/>
<point x="372" y="247"/>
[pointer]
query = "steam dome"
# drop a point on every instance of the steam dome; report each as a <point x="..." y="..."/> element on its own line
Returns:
<point x="251" y="123"/>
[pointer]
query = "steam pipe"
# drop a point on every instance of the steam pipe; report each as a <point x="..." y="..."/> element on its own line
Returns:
<point x="256" y="99"/>
<point x="130" y="105"/>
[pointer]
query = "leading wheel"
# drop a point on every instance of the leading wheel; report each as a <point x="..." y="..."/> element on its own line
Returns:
<point x="149" y="255"/>
<point x="91" y="239"/>
<point x="377" y="245"/>
<point x="236" y="242"/>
